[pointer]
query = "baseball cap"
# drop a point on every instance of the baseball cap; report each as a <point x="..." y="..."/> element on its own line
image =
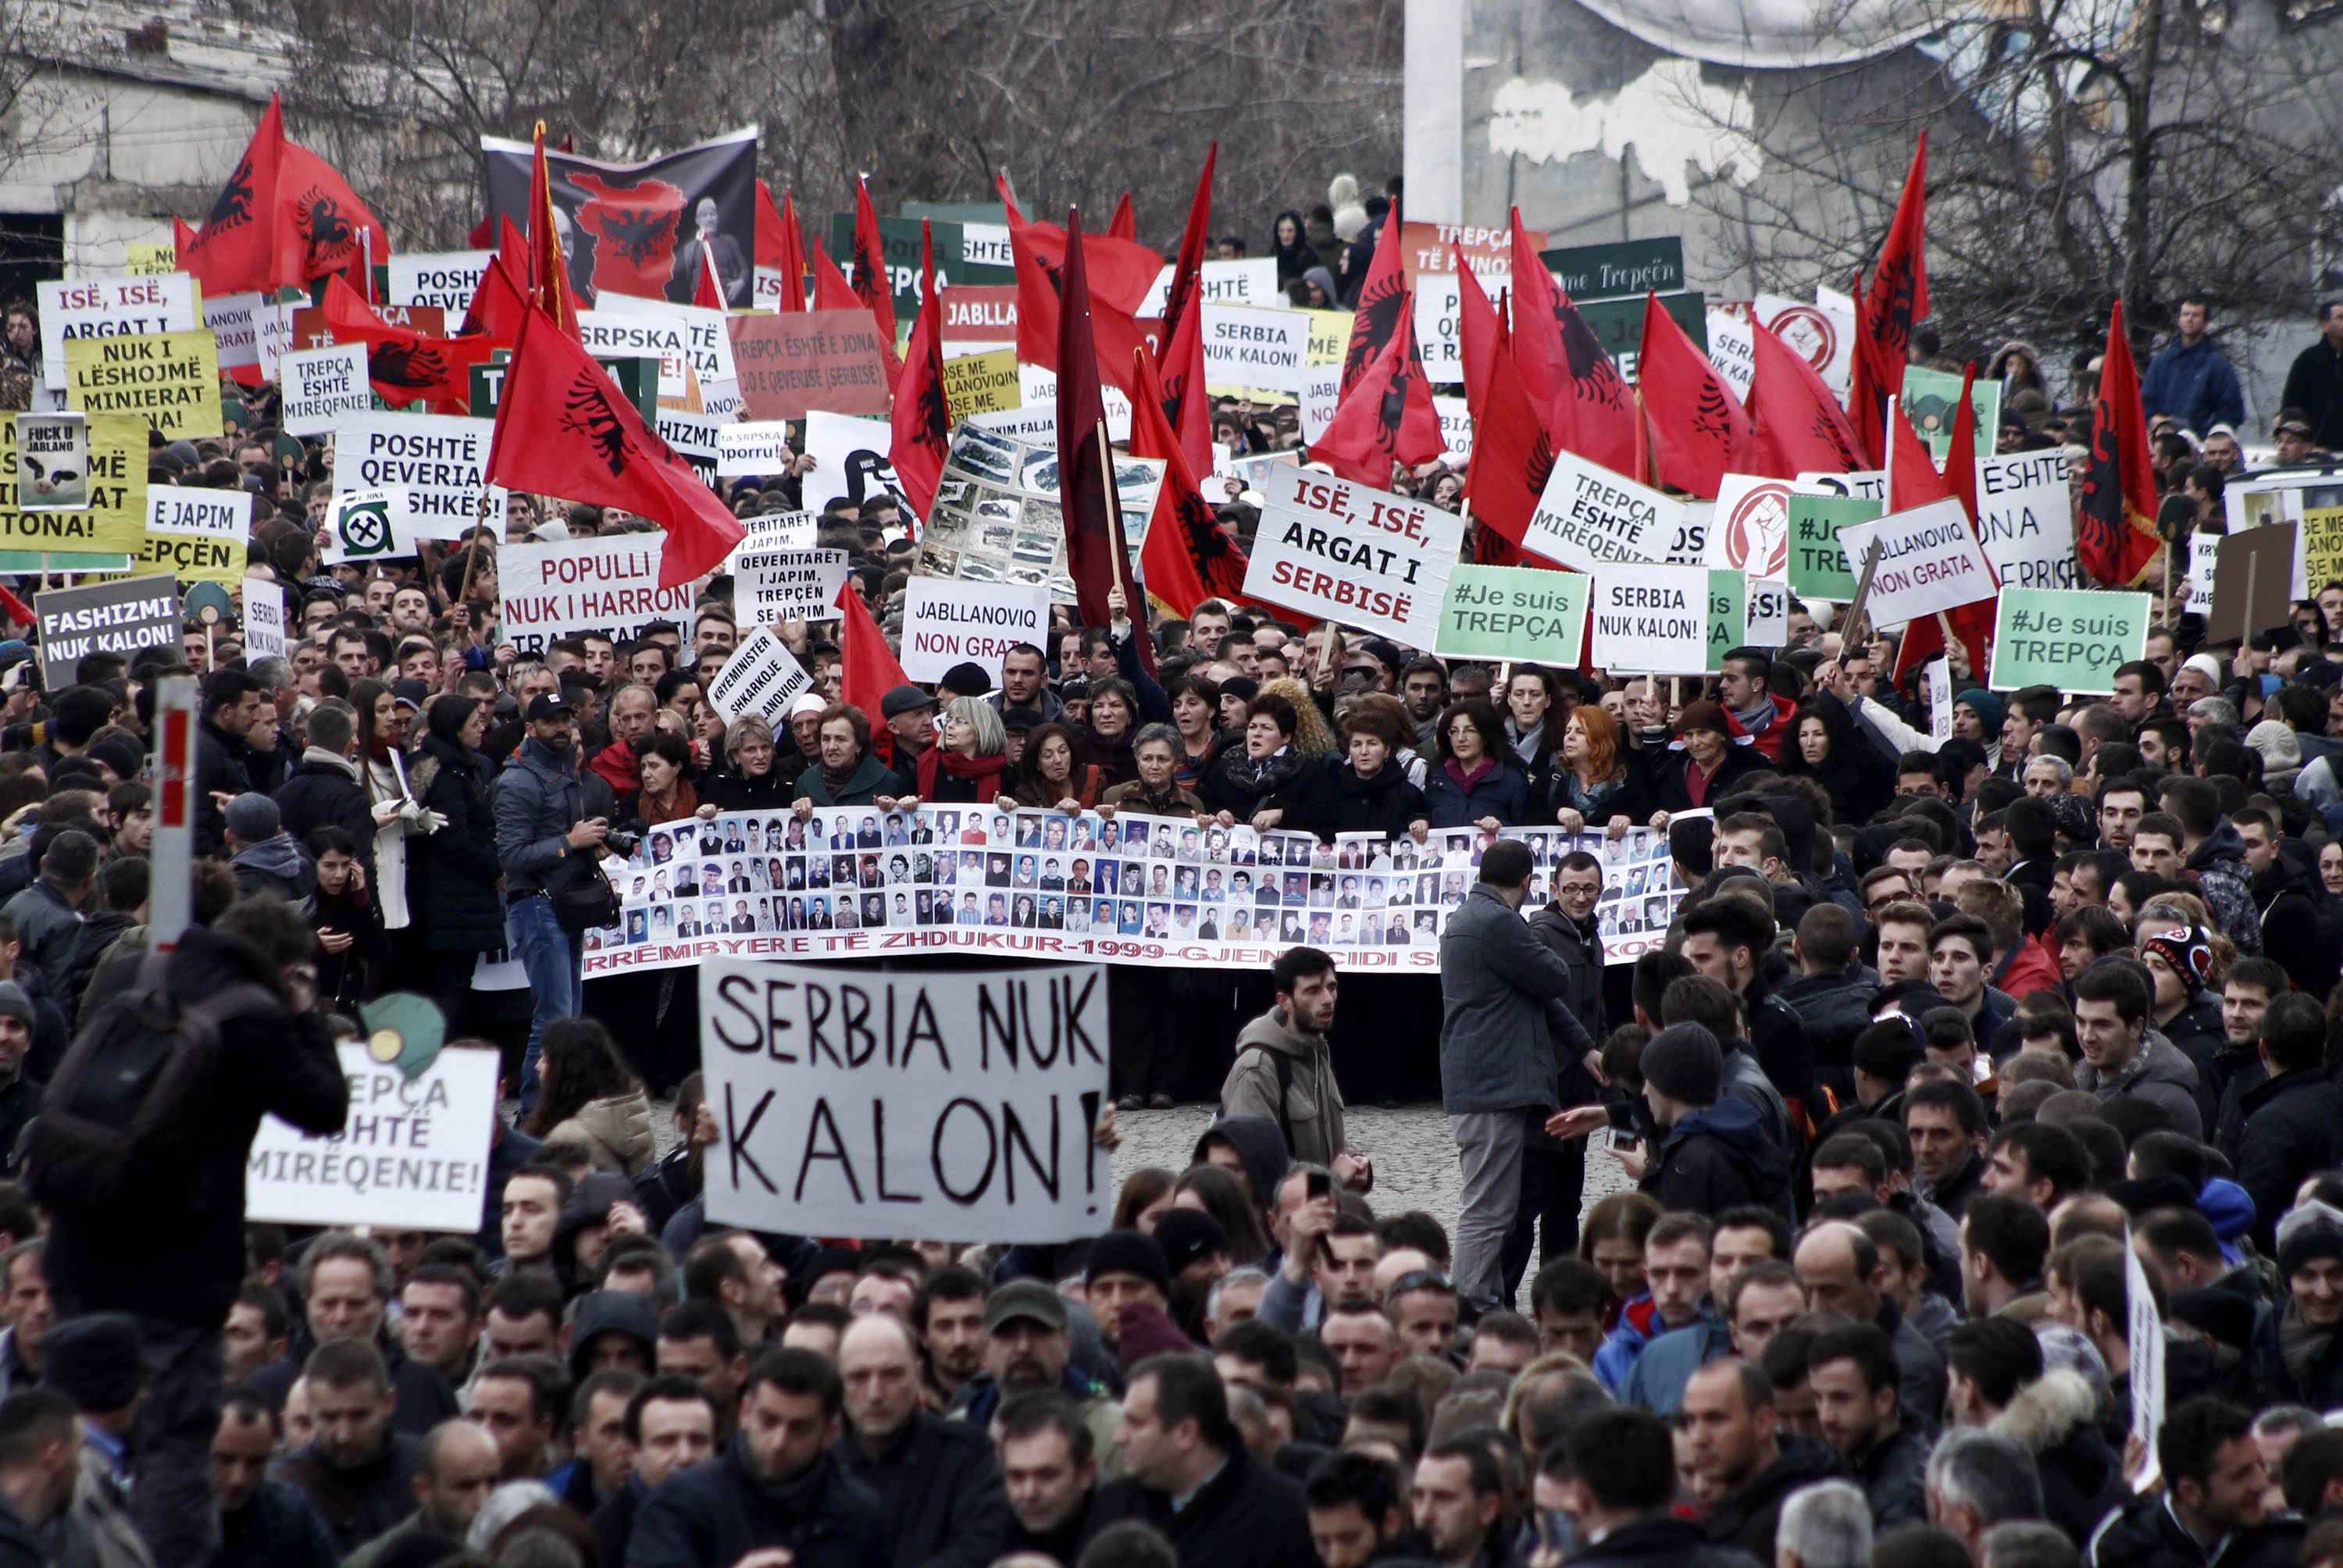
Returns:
<point x="548" y="705"/>
<point x="409" y="694"/>
<point x="1024" y="1300"/>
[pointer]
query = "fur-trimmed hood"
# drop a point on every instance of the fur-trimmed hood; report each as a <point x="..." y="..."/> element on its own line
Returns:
<point x="2046" y="1411"/>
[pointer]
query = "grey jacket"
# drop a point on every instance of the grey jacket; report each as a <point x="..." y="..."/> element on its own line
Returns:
<point x="1495" y="980"/>
<point x="1311" y="1118"/>
<point x="2158" y="1072"/>
<point x="539" y="800"/>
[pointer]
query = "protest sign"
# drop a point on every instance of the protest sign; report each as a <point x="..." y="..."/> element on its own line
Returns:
<point x="1651" y="619"/>
<point x="1439" y="320"/>
<point x="964" y="255"/>
<point x="1321" y="394"/>
<point x="986" y="316"/>
<point x="998" y="517"/>
<point x="855" y="882"/>
<point x="272" y="333"/>
<point x="2320" y="556"/>
<point x="982" y="384"/>
<point x="1517" y="613"/>
<point x="705" y="343"/>
<point x="789" y="365"/>
<point x="322" y="385"/>
<point x="53" y="450"/>
<point x="956" y="1106"/>
<point x="169" y="379"/>
<point x="370" y="525"/>
<point x="2204" y="561"/>
<point x="413" y="1154"/>
<point x="114" y="521"/>
<point x="1813" y="332"/>
<point x="438" y="458"/>
<point x="1245" y="280"/>
<point x="2254" y="587"/>
<point x="2144" y="1326"/>
<point x="119" y="617"/>
<point x="1939" y="672"/>
<point x="1631" y="266"/>
<point x="786" y="585"/>
<point x="634" y="376"/>
<point x="1750" y="531"/>
<point x="447" y="279"/>
<point x="1040" y="388"/>
<point x="1769" y="612"/>
<point x="1618" y="326"/>
<point x="264" y="621"/>
<point x="762" y="676"/>
<point x="110" y="307"/>
<point x="1928" y="560"/>
<point x="1728" y="617"/>
<point x="150" y="258"/>
<point x="625" y="335"/>
<point x="1932" y="397"/>
<point x="643" y="226"/>
<point x="1255" y="345"/>
<point x="231" y="320"/>
<point x="759" y="447"/>
<point x="851" y="458"/>
<point x="1871" y="484"/>
<point x="693" y="438"/>
<point x="1455" y="415"/>
<point x="1588" y="515"/>
<point x="1732" y="347"/>
<point x="948" y="622"/>
<point x="2066" y="638"/>
<point x="197" y="536"/>
<point x="2026" y="520"/>
<point x="768" y="531"/>
<point x="1347" y="553"/>
<point x="1819" y="568"/>
<point x="310" y="330"/>
<point x="608" y="586"/>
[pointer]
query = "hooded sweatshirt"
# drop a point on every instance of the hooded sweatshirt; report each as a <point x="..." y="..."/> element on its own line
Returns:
<point x="276" y="865"/>
<point x="1310" y="1117"/>
<point x="1258" y="1144"/>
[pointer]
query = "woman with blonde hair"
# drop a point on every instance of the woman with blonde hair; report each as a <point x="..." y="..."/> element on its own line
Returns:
<point x="1594" y="786"/>
<point x="967" y="766"/>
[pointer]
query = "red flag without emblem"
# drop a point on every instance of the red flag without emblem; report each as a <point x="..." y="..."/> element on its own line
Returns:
<point x="830" y="289"/>
<point x="922" y="416"/>
<point x="1114" y="334"/>
<point x="1513" y="454"/>
<point x="708" y="289"/>
<point x="1187" y="267"/>
<point x="563" y="429"/>
<point x="1181" y="391"/>
<point x="1124" y="224"/>
<point x="1699" y="429"/>
<point x="1188" y="556"/>
<point x="1122" y="272"/>
<point x="2115" y="528"/>
<point x="867" y="667"/>
<point x="1885" y="316"/>
<point x="1382" y="308"/>
<point x="1386" y="417"/>
<point x="1913" y="480"/>
<point x="499" y="305"/>
<point x="1084" y="464"/>
<point x="1800" y="427"/>
<point x="780" y="245"/>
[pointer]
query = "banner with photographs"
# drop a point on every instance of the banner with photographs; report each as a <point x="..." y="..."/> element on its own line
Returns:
<point x="859" y="883"/>
<point x="997" y="516"/>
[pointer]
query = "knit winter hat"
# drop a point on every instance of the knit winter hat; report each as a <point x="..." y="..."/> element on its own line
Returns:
<point x="1684" y="1063"/>
<point x="2189" y="951"/>
<point x="1129" y="1252"/>
<point x="1187" y="1234"/>
<point x="2309" y="1232"/>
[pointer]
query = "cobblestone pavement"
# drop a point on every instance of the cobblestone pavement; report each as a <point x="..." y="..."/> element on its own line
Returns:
<point x="1415" y="1159"/>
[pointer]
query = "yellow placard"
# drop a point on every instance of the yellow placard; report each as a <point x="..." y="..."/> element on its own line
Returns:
<point x="1329" y="337"/>
<point x="148" y="259"/>
<point x="116" y="522"/>
<point x="982" y="384"/>
<point x="2322" y="543"/>
<point x="170" y="379"/>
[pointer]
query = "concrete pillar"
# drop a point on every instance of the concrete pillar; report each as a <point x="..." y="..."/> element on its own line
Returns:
<point x="1433" y="101"/>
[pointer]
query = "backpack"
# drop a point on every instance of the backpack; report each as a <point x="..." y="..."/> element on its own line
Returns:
<point x="1282" y="1065"/>
<point x="107" y="1134"/>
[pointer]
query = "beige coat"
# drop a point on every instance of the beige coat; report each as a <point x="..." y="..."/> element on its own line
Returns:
<point x="615" y="1132"/>
<point x="1312" y="1119"/>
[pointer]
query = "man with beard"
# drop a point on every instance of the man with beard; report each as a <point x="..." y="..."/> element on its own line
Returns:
<point x="670" y="1427"/>
<point x="2216" y="1489"/>
<point x="1197" y="1251"/>
<point x="358" y="1472"/>
<point x="1048" y="1464"/>
<point x="947" y="1314"/>
<point x="1740" y="1449"/>
<point x="1028" y="1348"/>
<point x="2291" y="931"/>
<point x="461" y="1466"/>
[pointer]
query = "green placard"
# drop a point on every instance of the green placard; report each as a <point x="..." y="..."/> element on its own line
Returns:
<point x="1930" y="400"/>
<point x="2072" y="639"/>
<point x="899" y="239"/>
<point x="636" y="376"/>
<point x="34" y="561"/>
<point x="1615" y="271"/>
<point x="1517" y="613"/>
<point x="1618" y="325"/>
<point x="1728" y="616"/>
<point x="1819" y="568"/>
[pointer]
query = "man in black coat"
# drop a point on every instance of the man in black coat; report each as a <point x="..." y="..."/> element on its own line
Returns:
<point x="175" y="1264"/>
<point x="1192" y="1478"/>
<point x="777" y="1483"/>
<point x="2216" y="1489"/>
<point x="938" y="1484"/>
<point x="326" y="789"/>
<point x="2293" y="1121"/>
<point x="1613" y="1473"/>
<point x="263" y="1522"/>
<point x="1740" y="1447"/>
<point x="1713" y="1152"/>
<point x="1855" y="1377"/>
<point x="231" y="702"/>
<point x="356" y="1473"/>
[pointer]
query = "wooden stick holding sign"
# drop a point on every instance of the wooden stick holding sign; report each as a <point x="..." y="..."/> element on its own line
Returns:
<point x="1130" y="595"/>
<point x="1852" y="635"/>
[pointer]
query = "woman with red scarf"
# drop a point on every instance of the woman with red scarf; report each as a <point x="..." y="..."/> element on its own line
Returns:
<point x="967" y="769"/>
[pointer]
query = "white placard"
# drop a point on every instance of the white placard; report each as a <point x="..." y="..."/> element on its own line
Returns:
<point x="264" y="621"/>
<point x="948" y="622"/>
<point x="770" y="586"/>
<point x="370" y="525"/>
<point x="774" y="531"/>
<point x="1589" y="514"/>
<point x="1825" y="336"/>
<point x="1751" y="526"/>
<point x="1440" y="322"/>
<point x="1939" y="672"/>
<point x="2026" y="520"/>
<point x="1456" y="426"/>
<point x="1256" y="345"/>
<point x="446" y="278"/>
<point x="762" y="676"/>
<point x="231" y="319"/>
<point x="2204" y="554"/>
<point x="1928" y="561"/>
<point x="1321" y="394"/>
<point x="1347" y="553"/>
<point x="1769" y="612"/>
<point x="1732" y="347"/>
<point x="196" y="535"/>
<point x="438" y="458"/>
<point x="412" y="1156"/>
<point x="322" y="385"/>
<point x="693" y="436"/>
<point x="958" y="1106"/>
<point x="115" y="307"/>
<point x="2145" y="1329"/>
<point x="1037" y="388"/>
<point x="849" y="458"/>
<point x="700" y="335"/>
<point x="568" y="586"/>
<point x="753" y="446"/>
<point x="1248" y="280"/>
<point x="272" y="331"/>
<point x="1650" y="619"/>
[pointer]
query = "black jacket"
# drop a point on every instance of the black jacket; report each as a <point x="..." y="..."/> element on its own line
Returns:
<point x="223" y="767"/>
<point x="2293" y="1128"/>
<point x="452" y="875"/>
<point x="1894" y="1476"/>
<point x="2147" y="1535"/>
<point x="1581" y="950"/>
<point x="1244" y="1517"/>
<point x="774" y="789"/>
<point x="720" y="1513"/>
<point x="186" y="1264"/>
<point x="2291" y="930"/>
<point x="1952" y="1194"/>
<point x="1749" y="1517"/>
<point x="19" y="1546"/>
<point x="1664" y="1542"/>
<point x="1833" y="1009"/>
<point x="1384" y="803"/>
<point x="939" y="1488"/>
<point x="1296" y="785"/>
<point x="1778" y="1038"/>
<point x="1717" y="1158"/>
<point x="356" y="1505"/>
<point x="326" y="793"/>
<point x="425" y="1396"/>
<point x="1664" y="770"/>
<point x="19" y="1102"/>
<point x="278" y="1526"/>
<point x="2314" y="384"/>
<point x="99" y="931"/>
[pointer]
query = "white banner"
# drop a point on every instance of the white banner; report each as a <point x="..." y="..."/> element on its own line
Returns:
<point x="1256" y="345"/>
<point x="753" y="446"/>
<point x="568" y="586"/>
<point x="2144" y="1328"/>
<point x="770" y="586"/>
<point x="446" y="278"/>
<point x="110" y="307"/>
<point x="762" y="676"/>
<point x="697" y="336"/>
<point x="1824" y="335"/>
<point x="321" y="386"/>
<point x="1347" y="553"/>
<point x="953" y="1106"/>
<point x="438" y="458"/>
<point x="947" y="621"/>
<point x="264" y="621"/>
<point x="2026" y="520"/>
<point x="1589" y="514"/>
<point x="412" y="1155"/>
<point x="1928" y="561"/>
<point x="1650" y="619"/>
